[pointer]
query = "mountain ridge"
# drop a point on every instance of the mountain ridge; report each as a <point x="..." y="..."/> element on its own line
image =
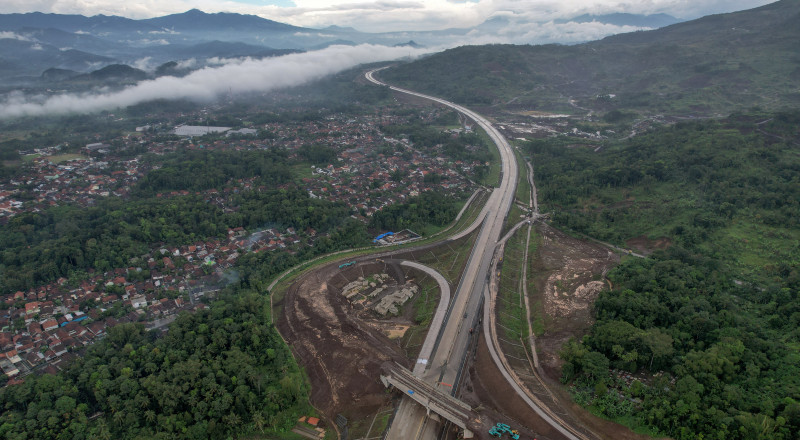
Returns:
<point x="703" y="67"/>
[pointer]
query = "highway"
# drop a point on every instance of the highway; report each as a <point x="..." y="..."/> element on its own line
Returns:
<point x="444" y="368"/>
<point x="438" y="318"/>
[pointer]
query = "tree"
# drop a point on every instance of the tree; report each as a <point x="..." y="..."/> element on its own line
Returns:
<point x="658" y="342"/>
<point x="595" y="365"/>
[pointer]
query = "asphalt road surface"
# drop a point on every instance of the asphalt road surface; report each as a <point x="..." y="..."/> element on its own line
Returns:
<point x="445" y="365"/>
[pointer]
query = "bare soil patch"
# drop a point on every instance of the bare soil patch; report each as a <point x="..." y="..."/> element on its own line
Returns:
<point x="486" y="389"/>
<point x="568" y="273"/>
<point x="341" y="354"/>
<point x="646" y="246"/>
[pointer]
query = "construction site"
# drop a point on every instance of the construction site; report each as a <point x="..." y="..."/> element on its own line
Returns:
<point x="365" y="329"/>
<point x="338" y="323"/>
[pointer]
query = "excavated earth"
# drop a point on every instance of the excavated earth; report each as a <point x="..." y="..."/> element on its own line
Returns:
<point x="568" y="275"/>
<point x="342" y="349"/>
<point x="341" y="354"/>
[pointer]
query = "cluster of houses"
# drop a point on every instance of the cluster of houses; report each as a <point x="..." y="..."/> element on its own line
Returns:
<point x="43" y="328"/>
<point x="362" y="177"/>
<point x="366" y="180"/>
<point x="53" y="180"/>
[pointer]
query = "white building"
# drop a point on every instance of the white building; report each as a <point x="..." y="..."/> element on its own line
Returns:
<point x="198" y="130"/>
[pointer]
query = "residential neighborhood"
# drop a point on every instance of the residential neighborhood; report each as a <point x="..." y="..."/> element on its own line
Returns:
<point x="42" y="329"/>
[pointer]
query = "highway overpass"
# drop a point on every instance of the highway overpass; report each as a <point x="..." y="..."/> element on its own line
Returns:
<point x="444" y="368"/>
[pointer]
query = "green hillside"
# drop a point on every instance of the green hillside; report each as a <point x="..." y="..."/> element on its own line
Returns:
<point x="713" y="65"/>
<point x="708" y="327"/>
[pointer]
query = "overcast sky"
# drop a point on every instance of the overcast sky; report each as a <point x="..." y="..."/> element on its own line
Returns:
<point x="385" y="15"/>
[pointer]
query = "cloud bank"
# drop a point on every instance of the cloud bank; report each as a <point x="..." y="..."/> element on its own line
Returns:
<point x="388" y="15"/>
<point x="237" y="76"/>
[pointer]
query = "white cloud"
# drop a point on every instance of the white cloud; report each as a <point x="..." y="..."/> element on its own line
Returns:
<point x="388" y="15"/>
<point x="145" y="64"/>
<point x="187" y="64"/>
<point x="13" y="36"/>
<point x="238" y="76"/>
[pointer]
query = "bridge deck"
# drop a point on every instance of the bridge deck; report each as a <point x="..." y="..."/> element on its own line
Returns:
<point x="439" y="402"/>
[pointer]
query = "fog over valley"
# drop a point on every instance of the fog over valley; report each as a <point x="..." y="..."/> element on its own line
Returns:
<point x="237" y="76"/>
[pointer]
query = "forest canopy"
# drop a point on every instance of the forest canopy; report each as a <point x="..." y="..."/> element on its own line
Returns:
<point x="217" y="372"/>
<point x="699" y="340"/>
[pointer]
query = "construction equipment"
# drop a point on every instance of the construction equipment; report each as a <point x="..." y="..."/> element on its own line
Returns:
<point x="501" y="428"/>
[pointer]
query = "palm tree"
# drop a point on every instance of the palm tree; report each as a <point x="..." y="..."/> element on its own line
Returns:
<point x="119" y="417"/>
<point x="258" y="420"/>
<point x="102" y="430"/>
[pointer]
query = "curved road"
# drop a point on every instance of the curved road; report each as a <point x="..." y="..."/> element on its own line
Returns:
<point x="444" y="368"/>
<point x="438" y="318"/>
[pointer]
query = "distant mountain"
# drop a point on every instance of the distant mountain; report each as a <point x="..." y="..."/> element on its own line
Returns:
<point x="754" y="25"/>
<point x="68" y="40"/>
<point x="644" y="21"/>
<point x="37" y="41"/>
<point x="708" y="66"/>
<point x="32" y="57"/>
<point x="124" y="38"/>
<point x="191" y="27"/>
<point x="97" y="24"/>
<point x="118" y="72"/>
<point x="195" y="20"/>
<point x="409" y="43"/>
<point x="54" y="75"/>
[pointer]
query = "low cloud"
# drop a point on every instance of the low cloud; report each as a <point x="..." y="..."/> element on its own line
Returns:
<point x="13" y="36"/>
<point x="245" y="76"/>
<point x="145" y="64"/>
<point x="187" y="64"/>
<point x="570" y="32"/>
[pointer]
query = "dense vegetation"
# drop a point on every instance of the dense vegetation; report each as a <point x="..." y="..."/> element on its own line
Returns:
<point x="708" y="327"/>
<point x="714" y="64"/>
<point x="463" y="146"/>
<point x="729" y="189"/>
<point x="199" y="170"/>
<point x="426" y="209"/>
<point x="731" y="352"/>
<point x="218" y="372"/>
<point x="65" y="240"/>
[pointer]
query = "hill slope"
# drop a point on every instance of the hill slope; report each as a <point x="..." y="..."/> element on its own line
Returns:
<point x="706" y="66"/>
<point x="702" y="336"/>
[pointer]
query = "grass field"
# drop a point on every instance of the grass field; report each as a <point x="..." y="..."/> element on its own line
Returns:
<point x="302" y="170"/>
<point x="511" y="315"/>
<point x="523" y="193"/>
<point x="493" y="176"/>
